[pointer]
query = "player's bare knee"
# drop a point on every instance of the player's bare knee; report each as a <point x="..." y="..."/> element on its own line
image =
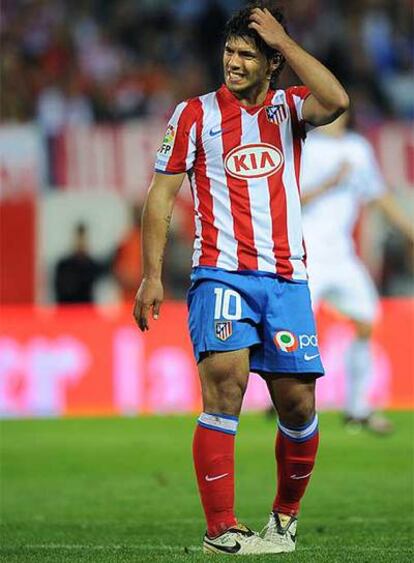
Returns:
<point x="297" y="411"/>
<point x="226" y="394"/>
<point x="363" y="329"/>
<point x="223" y="400"/>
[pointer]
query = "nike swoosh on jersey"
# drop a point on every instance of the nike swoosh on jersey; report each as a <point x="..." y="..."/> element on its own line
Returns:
<point x="308" y="358"/>
<point x="225" y="548"/>
<point x="207" y="478"/>
<point x="214" y="133"/>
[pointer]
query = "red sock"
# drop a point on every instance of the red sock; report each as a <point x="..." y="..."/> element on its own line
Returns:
<point x="295" y="455"/>
<point x="213" y="453"/>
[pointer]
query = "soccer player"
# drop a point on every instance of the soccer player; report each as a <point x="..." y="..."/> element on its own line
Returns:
<point x="339" y="176"/>
<point x="249" y="304"/>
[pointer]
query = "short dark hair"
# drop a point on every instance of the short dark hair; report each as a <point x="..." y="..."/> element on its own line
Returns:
<point x="238" y="26"/>
<point x="81" y="229"/>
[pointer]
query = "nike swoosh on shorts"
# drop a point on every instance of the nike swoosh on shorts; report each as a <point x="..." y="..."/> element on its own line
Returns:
<point x="308" y="358"/>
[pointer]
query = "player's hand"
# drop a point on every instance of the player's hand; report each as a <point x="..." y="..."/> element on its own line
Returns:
<point x="149" y="296"/>
<point x="269" y="29"/>
<point x="341" y="174"/>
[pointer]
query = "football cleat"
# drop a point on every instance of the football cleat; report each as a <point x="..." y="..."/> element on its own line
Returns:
<point x="375" y="422"/>
<point x="281" y="532"/>
<point x="239" y="540"/>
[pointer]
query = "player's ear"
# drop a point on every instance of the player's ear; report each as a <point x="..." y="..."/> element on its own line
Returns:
<point x="274" y="65"/>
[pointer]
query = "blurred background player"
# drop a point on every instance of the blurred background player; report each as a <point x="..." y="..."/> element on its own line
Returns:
<point x="249" y="303"/>
<point x="77" y="273"/>
<point x="339" y="176"/>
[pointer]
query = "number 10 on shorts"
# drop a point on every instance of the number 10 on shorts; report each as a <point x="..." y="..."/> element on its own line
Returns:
<point x="228" y="304"/>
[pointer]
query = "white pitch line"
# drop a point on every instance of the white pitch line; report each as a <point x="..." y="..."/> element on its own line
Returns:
<point x="111" y="546"/>
<point x="149" y="547"/>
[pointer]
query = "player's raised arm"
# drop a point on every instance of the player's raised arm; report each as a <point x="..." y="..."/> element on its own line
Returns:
<point x="328" y="98"/>
<point x="155" y="225"/>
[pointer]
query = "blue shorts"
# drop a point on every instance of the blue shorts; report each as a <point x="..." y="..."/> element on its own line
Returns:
<point x="268" y="314"/>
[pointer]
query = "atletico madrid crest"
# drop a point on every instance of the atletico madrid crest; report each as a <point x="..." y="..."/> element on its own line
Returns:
<point x="276" y="114"/>
<point x="223" y="329"/>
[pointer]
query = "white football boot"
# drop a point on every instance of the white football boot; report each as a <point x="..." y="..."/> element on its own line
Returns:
<point x="239" y="540"/>
<point x="281" y="532"/>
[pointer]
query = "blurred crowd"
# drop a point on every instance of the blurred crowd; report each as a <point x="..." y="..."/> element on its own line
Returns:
<point x="110" y="60"/>
<point x="69" y="63"/>
<point x="77" y="274"/>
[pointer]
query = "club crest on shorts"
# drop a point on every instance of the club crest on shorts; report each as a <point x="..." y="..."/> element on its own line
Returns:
<point x="276" y="114"/>
<point x="223" y="329"/>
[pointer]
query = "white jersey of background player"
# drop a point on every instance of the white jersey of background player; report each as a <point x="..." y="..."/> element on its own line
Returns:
<point x="340" y="175"/>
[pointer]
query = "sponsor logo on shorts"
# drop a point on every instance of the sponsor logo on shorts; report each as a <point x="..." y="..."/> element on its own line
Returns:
<point x="306" y="340"/>
<point x="223" y="329"/>
<point x="286" y="341"/>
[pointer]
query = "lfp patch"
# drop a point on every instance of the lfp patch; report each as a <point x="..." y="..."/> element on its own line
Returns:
<point x="276" y="114"/>
<point x="168" y="141"/>
<point x="169" y="134"/>
<point x="223" y="329"/>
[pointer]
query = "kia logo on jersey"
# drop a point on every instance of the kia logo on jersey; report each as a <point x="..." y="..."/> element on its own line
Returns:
<point x="253" y="161"/>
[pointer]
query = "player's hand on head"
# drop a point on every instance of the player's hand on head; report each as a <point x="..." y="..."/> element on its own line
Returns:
<point x="149" y="296"/>
<point x="267" y="26"/>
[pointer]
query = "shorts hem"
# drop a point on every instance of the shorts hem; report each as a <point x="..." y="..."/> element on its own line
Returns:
<point x="265" y="373"/>
<point x="212" y="348"/>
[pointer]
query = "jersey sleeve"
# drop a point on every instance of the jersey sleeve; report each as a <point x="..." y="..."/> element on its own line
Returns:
<point x="371" y="184"/>
<point x="177" y="151"/>
<point x="295" y="96"/>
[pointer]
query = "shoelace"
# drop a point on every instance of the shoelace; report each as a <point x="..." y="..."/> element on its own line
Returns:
<point x="252" y="536"/>
<point x="255" y="539"/>
<point x="272" y="528"/>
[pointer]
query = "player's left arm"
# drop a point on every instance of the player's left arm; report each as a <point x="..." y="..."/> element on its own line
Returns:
<point x="328" y="99"/>
<point x="374" y="191"/>
<point x="389" y="206"/>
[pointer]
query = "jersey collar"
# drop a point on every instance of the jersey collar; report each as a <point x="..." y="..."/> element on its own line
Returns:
<point x="230" y="97"/>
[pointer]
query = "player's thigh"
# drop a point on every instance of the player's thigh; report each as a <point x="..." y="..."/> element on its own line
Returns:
<point x="355" y="294"/>
<point x="224" y="377"/>
<point x="220" y="370"/>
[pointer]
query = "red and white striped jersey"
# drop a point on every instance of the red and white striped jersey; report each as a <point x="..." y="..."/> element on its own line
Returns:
<point x="244" y="167"/>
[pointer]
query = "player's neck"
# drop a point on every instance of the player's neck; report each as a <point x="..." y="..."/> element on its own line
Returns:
<point x="331" y="130"/>
<point x="334" y="134"/>
<point x="254" y="96"/>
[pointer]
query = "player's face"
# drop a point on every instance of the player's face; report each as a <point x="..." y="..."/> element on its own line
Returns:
<point x="245" y="67"/>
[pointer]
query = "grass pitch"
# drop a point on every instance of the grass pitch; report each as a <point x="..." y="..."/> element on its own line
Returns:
<point x="119" y="490"/>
